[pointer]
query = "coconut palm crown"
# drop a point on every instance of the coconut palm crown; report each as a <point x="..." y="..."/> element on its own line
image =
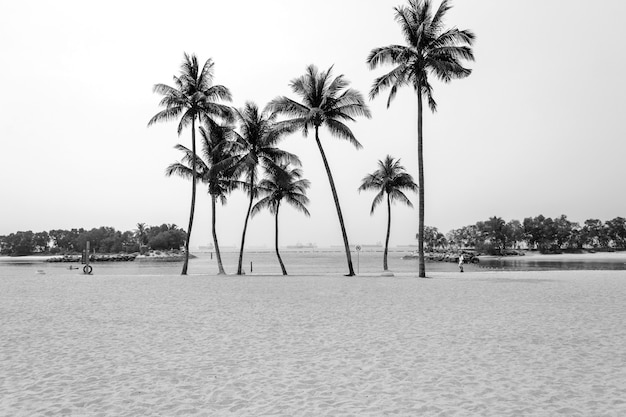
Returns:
<point x="282" y="183"/>
<point x="390" y="179"/>
<point x="430" y="49"/>
<point x="192" y="98"/>
<point x="211" y="169"/>
<point x="325" y="101"/>
<point x="254" y="147"/>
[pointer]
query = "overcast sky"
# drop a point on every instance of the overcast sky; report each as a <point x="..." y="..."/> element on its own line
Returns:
<point x="538" y="128"/>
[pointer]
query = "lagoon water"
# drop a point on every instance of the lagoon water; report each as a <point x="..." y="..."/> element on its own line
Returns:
<point x="319" y="262"/>
<point x="568" y="262"/>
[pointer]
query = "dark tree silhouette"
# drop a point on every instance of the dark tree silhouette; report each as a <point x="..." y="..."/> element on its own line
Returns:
<point x="390" y="179"/>
<point x="213" y="169"/>
<point x="326" y="101"/>
<point x="282" y="183"/>
<point x="255" y="145"/>
<point x="193" y="98"/>
<point x="430" y="49"/>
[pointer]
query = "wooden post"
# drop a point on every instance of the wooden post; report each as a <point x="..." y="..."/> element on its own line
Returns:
<point x="87" y="268"/>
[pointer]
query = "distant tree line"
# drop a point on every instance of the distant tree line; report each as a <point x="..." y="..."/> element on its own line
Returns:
<point x="547" y="235"/>
<point x="101" y="240"/>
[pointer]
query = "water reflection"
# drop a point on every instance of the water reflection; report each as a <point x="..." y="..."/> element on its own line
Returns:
<point x="529" y="264"/>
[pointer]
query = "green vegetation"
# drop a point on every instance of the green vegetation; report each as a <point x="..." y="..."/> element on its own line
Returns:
<point x="102" y="240"/>
<point x="389" y="180"/>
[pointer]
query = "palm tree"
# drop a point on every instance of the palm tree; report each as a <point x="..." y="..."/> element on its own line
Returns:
<point x="286" y="183"/>
<point x="193" y="97"/>
<point x="212" y="169"/>
<point x="256" y="146"/>
<point x="141" y="235"/>
<point x="389" y="179"/>
<point x="430" y="49"/>
<point x="326" y="101"/>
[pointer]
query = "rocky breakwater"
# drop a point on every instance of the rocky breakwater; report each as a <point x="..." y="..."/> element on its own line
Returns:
<point x="163" y="256"/>
<point x="120" y="257"/>
<point x="468" y="257"/>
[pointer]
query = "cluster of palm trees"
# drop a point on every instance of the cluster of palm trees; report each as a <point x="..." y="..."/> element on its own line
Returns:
<point x="232" y="157"/>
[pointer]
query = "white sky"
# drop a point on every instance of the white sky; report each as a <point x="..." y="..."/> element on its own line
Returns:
<point x="536" y="129"/>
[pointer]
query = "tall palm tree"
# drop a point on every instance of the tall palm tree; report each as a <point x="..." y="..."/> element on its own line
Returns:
<point x="192" y="98"/>
<point x="141" y="235"/>
<point x="326" y="101"/>
<point x="430" y="49"/>
<point x="212" y="169"/>
<point x="282" y="183"/>
<point x="390" y="179"/>
<point x="255" y="145"/>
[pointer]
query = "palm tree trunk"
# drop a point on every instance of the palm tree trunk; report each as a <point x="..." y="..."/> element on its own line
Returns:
<point x="193" y="194"/>
<point x="337" y="206"/>
<point x="420" y="181"/>
<point x="385" y="267"/>
<point x="280" y="260"/>
<point x="245" y="226"/>
<point x="218" y="255"/>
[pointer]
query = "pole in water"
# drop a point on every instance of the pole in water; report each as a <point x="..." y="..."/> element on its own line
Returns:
<point x="87" y="268"/>
<point x="250" y="266"/>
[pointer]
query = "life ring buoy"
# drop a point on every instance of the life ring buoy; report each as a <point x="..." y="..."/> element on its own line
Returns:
<point x="87" y="269"/>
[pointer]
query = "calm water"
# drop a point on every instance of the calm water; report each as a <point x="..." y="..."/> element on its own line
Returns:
<point x="261" y="263"/>
<point x="549" y="263"/>
<point x="310" y="263"/>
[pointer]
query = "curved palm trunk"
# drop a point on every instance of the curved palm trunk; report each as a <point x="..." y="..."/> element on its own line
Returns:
<point x="420" y="183"/>
<point x="218" y="255"/>
<point x="337" y="206"/>
<point x="280" y="260"/>
<point x="245" y="227"/>
<point x="385" y="267"/>
<point x="193" y="194"/>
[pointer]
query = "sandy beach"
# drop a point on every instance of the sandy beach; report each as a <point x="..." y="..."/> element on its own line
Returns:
<point x="476" y="344"/>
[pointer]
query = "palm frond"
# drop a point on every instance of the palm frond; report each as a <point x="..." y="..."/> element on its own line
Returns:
<point x="265" y="202"/>
<point x="298" y="202"/>
<point x="397" y="195"/>
<point x="288" y="107"/>
<point x="403" y="17"/>
<point x="185" y="119"/>
<point x="205" y="78"/>
<point x="342" y="131"/>
<point x="395" y="78"/>
<point x="392" y="54"/>
<point x="453" y="37"/>
<point x="178" y="169"/>
<point x="370" y="182"/>
<point x="391" y="178"/>
<point x="436" y="22"/>
<point x="165" y="115"/>
<point x="164" y="90"/>
<point x="377" y="199"/>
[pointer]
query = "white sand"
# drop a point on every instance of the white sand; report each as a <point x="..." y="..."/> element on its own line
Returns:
<point x="473" y="344"/>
